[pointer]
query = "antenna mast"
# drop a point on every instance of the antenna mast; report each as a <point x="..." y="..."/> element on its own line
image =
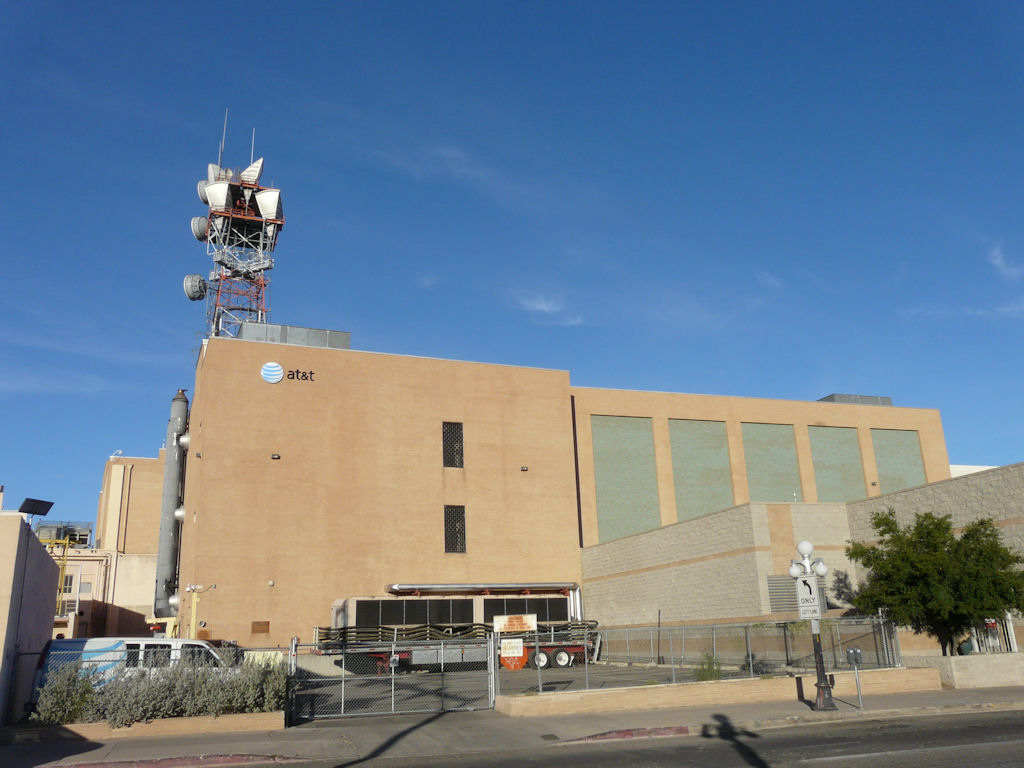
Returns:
<point x="223" y="136"/>
<point x="240" y="231"/>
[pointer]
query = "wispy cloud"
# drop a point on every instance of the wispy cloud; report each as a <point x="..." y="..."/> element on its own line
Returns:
<point x="766" y="278"/>
<point x="21" y="383"/>
<point x="1009" y="309"/>
<point x="932" y="310"/>
<point x="681" y="311"/>
<point x="549" y="307"/>
<point x="1004" y="267"/>
<point x="538" y="302"/>
<point x="96" y="350"/>
<point x="426" y="282"/>
<point x="448" y="161"/>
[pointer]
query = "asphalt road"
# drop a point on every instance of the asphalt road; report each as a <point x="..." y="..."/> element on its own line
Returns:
<point x="983" y="740"/>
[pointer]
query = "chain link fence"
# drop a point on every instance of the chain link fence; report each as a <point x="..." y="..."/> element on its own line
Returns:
<point x="407" y="677"/>
<point x="632" y="656"/>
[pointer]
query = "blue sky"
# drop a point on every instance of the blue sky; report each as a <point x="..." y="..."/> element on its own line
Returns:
<point x="777" y="200"/>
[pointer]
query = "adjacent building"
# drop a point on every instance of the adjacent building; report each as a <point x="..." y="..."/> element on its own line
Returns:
<point x="319" y="477"/>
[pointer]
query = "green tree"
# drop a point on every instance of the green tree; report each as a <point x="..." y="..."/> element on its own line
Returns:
<point x="922" y="576"/>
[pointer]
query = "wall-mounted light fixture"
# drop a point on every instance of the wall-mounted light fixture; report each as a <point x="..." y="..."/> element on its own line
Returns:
<point x="275" y="456"/>
<point x="524" y="469"/>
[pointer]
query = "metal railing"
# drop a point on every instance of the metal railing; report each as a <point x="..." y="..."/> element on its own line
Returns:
<point x="636" y="656"/>
<point x="396" y="677"/>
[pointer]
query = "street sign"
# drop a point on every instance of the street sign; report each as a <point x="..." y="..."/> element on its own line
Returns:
<point x="807" y="597"/>
<point x="525" y="622"/>
<point x="512" y="647"/>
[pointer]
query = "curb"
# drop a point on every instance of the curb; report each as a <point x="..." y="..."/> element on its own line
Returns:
<point x="203" y="761"/>
<point x="707" y="729"/>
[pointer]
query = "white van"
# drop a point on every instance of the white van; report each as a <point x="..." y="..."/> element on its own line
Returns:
<point x="104" y="658"/>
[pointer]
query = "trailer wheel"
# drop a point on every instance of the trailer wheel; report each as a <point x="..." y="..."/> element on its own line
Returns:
<point x="540" y="659"/>
<point x="560" y="657"/>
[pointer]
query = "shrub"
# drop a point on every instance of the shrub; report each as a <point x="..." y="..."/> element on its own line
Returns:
<point x="66" y="697"/>
<point x="760" y="667"/>
<point x="179" y="691"/>
<point x="709" y="668"/>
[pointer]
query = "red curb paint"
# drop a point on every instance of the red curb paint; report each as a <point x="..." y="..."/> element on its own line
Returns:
<point x="202" y="761"/>
<point x="639" y="733"/>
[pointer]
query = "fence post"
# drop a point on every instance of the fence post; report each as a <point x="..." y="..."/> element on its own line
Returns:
<point x="536" y="650"/>
<point x="750" y="657"/>
<point x="714" y="644"/>
<point x="492" y="670"/>
<point x="881" y="632"/>
<point x="586" y="658"/>
<point x="785" y="644"/>
<point x="442" y="675"/>
<point x="392" y="668"/>
<point x="671" y="656"/>
<point x="627" y="646"/>
<point x="344" y="674"/>
<point x="652" y="645"/>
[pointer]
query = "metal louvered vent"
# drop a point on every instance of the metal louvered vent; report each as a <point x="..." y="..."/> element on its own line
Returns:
<point x="782" y="593"/>
<point x="451" y="439"/>
<point x="454" y="528"/>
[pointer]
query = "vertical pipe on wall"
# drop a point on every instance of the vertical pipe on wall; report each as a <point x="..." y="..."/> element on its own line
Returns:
<point x="576" y="459"/>
<point x="167" y="543"/>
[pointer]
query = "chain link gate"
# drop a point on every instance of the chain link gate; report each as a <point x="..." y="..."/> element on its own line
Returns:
<point x="390" y="678"/>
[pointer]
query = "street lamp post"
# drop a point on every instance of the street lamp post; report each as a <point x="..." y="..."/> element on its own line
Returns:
<point x="803" y="569"/>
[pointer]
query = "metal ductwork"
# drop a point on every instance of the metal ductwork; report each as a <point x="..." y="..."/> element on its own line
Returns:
<point x="493" y="587"/>
<point x="165" y="600"/>
<point x="570" y="587"/>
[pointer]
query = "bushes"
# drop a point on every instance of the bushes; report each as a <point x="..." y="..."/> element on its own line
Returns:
<point x="709" y="668"/>
<point x="67" y="696"/>
<point x="179" y="691"/>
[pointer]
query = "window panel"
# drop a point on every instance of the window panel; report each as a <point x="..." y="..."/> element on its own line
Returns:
<point x="454" y="528"/>
<point x="451" y="440"/>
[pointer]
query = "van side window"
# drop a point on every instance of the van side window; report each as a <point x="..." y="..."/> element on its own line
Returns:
<point x="158" y="655"/>
<point x="131" y="658"/>
<point x="197" y="655"/>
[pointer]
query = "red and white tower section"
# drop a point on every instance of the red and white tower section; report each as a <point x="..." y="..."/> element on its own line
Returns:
<point x="240" y="231"/>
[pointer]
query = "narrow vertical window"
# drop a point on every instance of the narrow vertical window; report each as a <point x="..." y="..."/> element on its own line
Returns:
<point x="454" y="529"/>
<point x="451" y="440"/>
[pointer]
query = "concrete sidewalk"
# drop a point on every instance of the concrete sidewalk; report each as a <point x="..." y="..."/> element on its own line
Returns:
<point x="358" y="739"/>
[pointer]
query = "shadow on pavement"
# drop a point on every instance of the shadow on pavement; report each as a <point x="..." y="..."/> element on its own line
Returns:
<point x="30" y="747"/>
<point x="726" y="731"/>
<point x="386" y="745"/>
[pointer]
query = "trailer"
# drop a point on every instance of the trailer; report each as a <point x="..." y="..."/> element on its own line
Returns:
<point x="431" y="626"/>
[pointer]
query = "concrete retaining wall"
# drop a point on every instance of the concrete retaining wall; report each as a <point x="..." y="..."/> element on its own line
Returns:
<point x="975" y="671"/>
<point x="715" y="692"/>
<point x="171" y="726"/>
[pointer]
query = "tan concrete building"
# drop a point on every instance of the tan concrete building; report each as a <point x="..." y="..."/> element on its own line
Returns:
<point x="108" y="589"/>
<point x="314" y="475"/>
<point x="731" y="566"/>
<point x="28" y="588"/>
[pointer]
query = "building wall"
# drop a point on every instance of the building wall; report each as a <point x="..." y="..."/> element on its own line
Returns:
<point x="701" y="454"/>
<point x="711" y="568"/>
<point x="716" y="567"/>
<point x="356" y="499"/>
<point x="114" y="590"/>
<point x="995" y="493"/>
<point x="28" y="588"/>
<point x="128" y="515"/>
